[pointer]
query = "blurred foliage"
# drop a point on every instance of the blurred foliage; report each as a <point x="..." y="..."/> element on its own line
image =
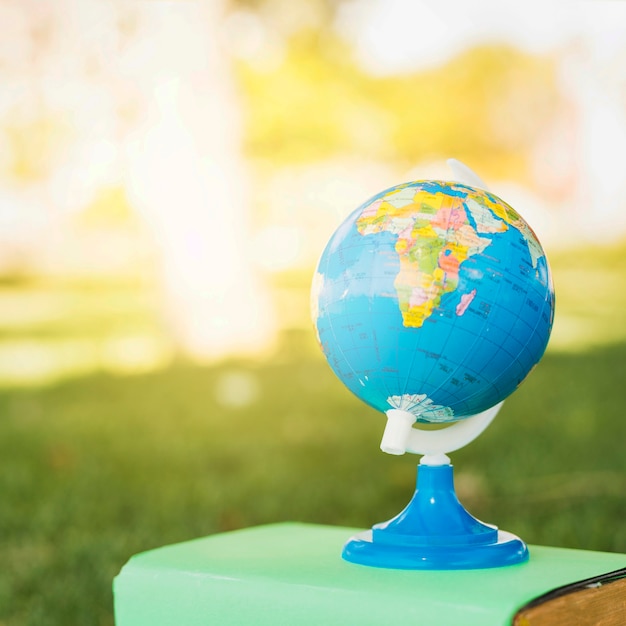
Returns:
<point x="109" y="208"/>
<point x="318" y="103"/>
<point x="52" y="330"/>
<point x="595" y="314"/>
<point x="32" y="145"/>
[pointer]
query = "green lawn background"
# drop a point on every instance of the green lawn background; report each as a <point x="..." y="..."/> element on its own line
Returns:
<point x="97" y="465"/>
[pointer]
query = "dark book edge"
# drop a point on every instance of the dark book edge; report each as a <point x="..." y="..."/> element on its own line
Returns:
<point x="587" y="583"/>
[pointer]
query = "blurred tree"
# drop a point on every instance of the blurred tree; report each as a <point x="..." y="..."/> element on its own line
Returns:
<point x="185" y="174"/>
<point x="319" y="102"/>
<point x="137" y="103"/>
<point x="109" y="102"/>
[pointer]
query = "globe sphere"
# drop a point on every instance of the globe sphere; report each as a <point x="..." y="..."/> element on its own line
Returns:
<point x="433" y="297"/>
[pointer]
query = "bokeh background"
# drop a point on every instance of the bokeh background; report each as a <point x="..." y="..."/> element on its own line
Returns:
<point x="169" y="174"/>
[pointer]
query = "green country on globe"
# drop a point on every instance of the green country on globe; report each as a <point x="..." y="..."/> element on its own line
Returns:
<point x="433" y="297"/>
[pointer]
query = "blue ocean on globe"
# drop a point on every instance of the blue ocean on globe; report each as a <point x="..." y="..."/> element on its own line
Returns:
<point x="433" y="297"/>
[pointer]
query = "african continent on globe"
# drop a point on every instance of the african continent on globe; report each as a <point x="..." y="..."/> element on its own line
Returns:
<point x="435" y="298"/>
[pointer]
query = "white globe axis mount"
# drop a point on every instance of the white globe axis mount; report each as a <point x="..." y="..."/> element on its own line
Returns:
<point x="400" y="436"/>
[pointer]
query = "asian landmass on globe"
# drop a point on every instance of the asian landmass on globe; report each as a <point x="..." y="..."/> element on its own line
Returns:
<point x="435" y="298"/>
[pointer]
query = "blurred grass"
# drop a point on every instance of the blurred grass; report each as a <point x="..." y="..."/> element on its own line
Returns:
<point x="51" y="329"/>
<point x="99" y="467"/>
<point x="591" y="299"/>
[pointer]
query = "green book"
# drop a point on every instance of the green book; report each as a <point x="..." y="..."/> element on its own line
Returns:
<point x="293" y="575"/>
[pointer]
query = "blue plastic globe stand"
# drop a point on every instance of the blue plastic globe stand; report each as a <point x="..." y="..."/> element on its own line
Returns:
<point x="435" y="532"/>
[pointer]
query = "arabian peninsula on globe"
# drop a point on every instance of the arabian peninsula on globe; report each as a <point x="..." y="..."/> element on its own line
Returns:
<point x="433" y="297"/>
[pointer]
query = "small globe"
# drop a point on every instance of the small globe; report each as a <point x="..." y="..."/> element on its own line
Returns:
<point x="433" y="297"/>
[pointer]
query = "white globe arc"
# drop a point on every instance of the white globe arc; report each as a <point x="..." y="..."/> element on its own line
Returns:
<point x="464" y="174"/>
<point x="400" y="436"/>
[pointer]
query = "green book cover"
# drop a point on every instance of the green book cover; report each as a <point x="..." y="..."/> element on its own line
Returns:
<point x="293" y="574"/>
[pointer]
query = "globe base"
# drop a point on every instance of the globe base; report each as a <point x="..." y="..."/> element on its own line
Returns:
<point x="435" y="532"/>
<point x="507" y="550"/>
